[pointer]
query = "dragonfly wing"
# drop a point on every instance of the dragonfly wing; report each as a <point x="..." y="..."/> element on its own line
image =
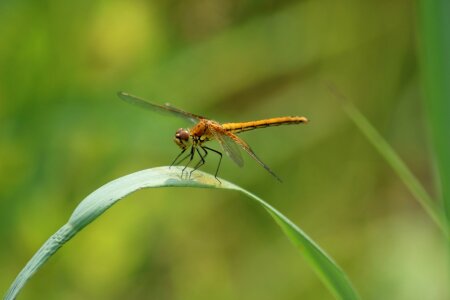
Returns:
<point x="164" y="109"/>
<point x="246" y="147"/>
<point x="230" y="148"/>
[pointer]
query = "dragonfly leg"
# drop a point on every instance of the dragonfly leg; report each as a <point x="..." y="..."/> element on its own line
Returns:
<point x="220" y="160"/>
<point x="178" y="156"/>
<point x="202" y="160"/>
<point x="191" y="157"/>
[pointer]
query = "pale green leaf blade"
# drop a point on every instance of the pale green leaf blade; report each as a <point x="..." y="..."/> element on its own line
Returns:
<point x="106" y="196"/>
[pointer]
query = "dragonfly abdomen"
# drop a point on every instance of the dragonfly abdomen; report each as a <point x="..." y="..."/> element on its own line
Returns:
<point x="246" y="126"/>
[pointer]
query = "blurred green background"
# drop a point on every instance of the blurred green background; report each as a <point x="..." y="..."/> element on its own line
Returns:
<point x="64" y="133"/>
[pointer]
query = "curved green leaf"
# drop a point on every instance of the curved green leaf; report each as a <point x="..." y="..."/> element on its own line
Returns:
<point x="103" y="198"/>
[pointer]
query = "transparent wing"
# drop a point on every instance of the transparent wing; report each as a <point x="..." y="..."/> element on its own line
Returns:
<point x="230" y="147"/>
<point x="234" y="139"/>
<point x="164" y="109"/>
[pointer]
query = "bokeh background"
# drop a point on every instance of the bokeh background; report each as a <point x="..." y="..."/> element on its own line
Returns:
<point x="64" y="133"/>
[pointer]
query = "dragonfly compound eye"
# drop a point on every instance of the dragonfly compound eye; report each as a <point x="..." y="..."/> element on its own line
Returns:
<point x="182" y="138"/>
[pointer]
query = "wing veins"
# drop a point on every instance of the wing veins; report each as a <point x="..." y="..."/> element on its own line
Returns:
<point x="230" y="147"/>
<point x="163" y="109"/>
<point x="247" y="148"/>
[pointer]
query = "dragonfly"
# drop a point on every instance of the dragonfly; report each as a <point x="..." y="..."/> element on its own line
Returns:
<point x="192" y="140"/>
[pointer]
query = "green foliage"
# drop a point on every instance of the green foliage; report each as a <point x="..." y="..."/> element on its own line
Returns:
<point x="63" y="132"/>
<point x="398" y="165"/>
<point x="103" y="198"/>
<point x="434" y="27"/>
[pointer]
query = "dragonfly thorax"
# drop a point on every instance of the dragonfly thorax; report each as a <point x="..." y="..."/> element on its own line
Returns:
<point x="183" y="138"/>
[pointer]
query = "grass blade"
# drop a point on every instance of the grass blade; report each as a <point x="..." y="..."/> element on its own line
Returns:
<point x="330" y="273"/>
<point x="405" y="174"/>
<point x="103" y="198"/>
<point x="434" y="26"/>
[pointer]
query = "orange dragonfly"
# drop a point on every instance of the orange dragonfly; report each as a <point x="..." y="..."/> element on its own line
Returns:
<point x="206" y="130"/>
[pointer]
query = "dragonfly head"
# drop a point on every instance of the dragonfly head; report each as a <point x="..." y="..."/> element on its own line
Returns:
<point x="183" y="138"/>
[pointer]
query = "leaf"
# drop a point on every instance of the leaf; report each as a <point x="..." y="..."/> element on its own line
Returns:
<point x="434" y="46"/>
<point x="392" y="158"/>
<point x="106" y="196"/>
